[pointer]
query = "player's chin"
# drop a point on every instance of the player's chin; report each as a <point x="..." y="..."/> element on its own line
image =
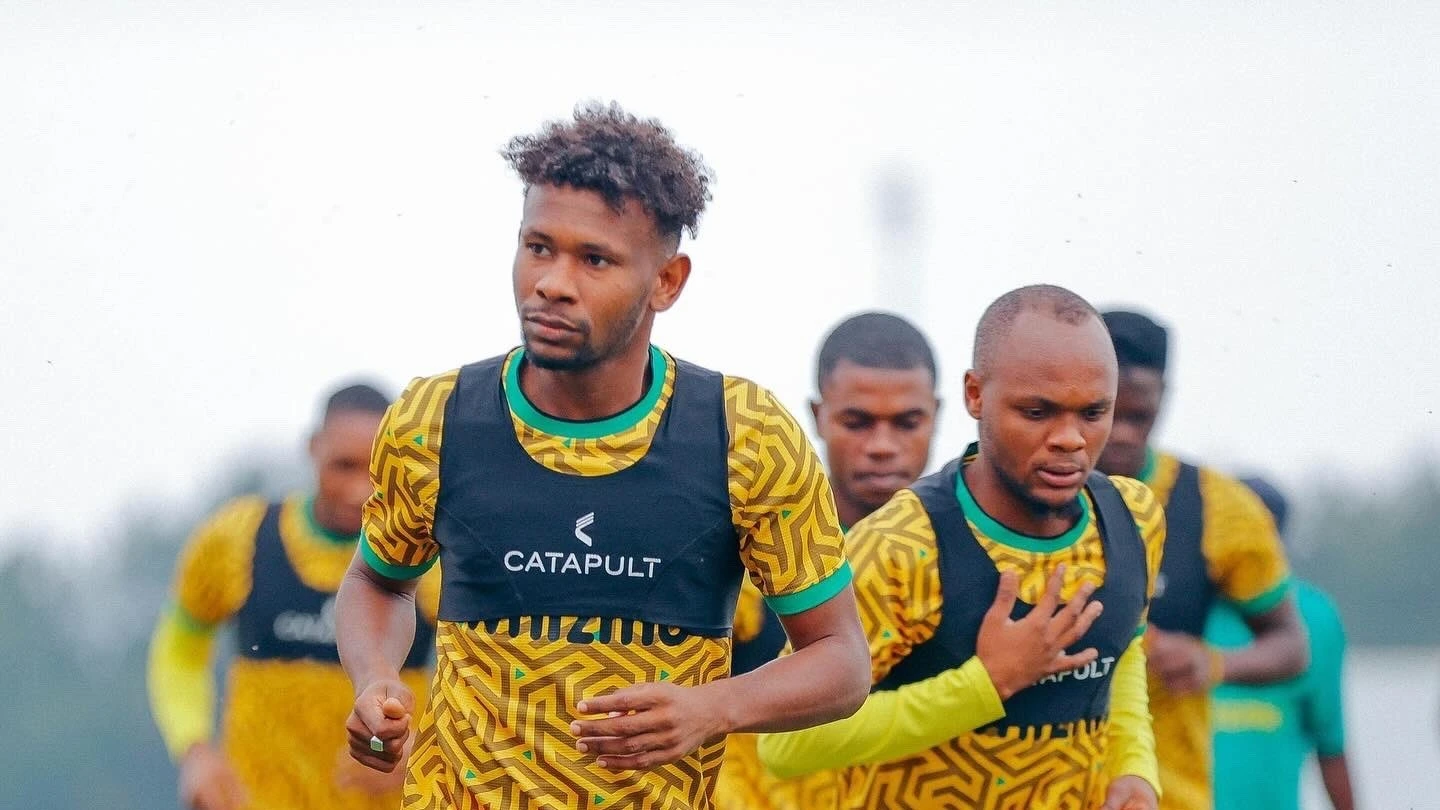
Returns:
<point x="1056" y="498"/>
<point x="554" y="357"/>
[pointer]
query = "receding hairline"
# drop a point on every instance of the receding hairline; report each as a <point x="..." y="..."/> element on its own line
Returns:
<point x="1045" y="300"/>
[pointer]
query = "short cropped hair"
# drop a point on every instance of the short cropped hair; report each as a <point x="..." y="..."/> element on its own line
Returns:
<point x="875" y="340"/>
<point x="1058" y="302"/>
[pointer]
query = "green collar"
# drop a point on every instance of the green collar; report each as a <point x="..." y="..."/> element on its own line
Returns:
<point x="323" y="533"/>
<point x="1147" y="471"/>
<point x="588" y="429"/>
<point x="995" y="530"/>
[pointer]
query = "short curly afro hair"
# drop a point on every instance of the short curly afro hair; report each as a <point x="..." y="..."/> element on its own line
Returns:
<point x="617" y="155"/>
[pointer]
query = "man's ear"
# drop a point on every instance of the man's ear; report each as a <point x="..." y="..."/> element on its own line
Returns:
<point x="670" y="282"/>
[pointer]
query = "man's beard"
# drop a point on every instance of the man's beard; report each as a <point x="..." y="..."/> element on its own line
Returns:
<point x="1036" y="507"/>
<point x="588" y="355"/>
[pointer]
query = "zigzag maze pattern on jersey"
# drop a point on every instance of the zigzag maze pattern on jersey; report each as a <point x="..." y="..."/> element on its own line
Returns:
<point x="1017" y="771"/>
<point x="405" y="470"/>
<point x="498" y="729"/>
<point x="779" y="496"/>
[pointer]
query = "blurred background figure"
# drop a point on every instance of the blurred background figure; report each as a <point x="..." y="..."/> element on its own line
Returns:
<point x="876" y="416"/>
<point x="1220" y="544"/>
<point x="271" y="569"/>
<point x="1264" y="734"/>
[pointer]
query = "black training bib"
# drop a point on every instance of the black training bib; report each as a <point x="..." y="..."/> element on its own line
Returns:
<point x="654" y="542"/>
<point x="968" y="579"/>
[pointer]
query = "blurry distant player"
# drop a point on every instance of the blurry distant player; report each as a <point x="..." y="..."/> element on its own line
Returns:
<point x="1221" y="544"/>
<point x="876" y="415"/>
<point x="1264" y="734"/>
<point x="271" y="570"/>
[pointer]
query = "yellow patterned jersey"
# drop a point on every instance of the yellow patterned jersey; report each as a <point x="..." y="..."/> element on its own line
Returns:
<point x="280" y="715"/>
<point x="896" y="558"/>
<point x="1245" y="562"/>
<point x="521" y="494"/>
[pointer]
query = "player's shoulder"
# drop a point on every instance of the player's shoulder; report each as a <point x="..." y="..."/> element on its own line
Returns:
<point x="427" y="391"/>
<point x="752" y="410"/>
<point x="1137" y="495"/>
<point x="1316" y="607"/>
<point x="1230" y="503"/>
<point x="225" y="541"/>
<point x="238" y="518"/>
<point x="745" y="391"/>
<point x="1223" y="490"/>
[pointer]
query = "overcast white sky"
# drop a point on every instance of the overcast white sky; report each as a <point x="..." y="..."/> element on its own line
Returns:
<point x="211" y="212"/>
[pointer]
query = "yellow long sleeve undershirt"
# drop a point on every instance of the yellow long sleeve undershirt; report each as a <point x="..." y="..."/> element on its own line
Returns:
<point x="903" y="722"/>
<point x="890" y="725"/>
<point x="1132" y="736"/>
<point x="181" y="682"/>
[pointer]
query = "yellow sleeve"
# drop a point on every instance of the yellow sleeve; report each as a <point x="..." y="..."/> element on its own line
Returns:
<point x="213" y="575"/>
<point x="397" y="539"/>
<point x="781" y="503"/>
<point x="181" y="685"/>
<point x="1241" y="547"/>
<point x="212" y="581"/>
<point x="1131" y="735"/>
<point x="897" y="590"/>
<point x="890" y="725"/>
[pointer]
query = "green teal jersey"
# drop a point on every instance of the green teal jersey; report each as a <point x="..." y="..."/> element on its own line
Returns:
<point x="1264" y="734"/>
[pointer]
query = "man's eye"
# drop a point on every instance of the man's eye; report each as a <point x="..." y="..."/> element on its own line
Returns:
<point x="537" y="248"/>
<point x="596" y="260"/>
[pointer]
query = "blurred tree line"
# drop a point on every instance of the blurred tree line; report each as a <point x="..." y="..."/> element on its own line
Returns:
<point x="74" y="629"/>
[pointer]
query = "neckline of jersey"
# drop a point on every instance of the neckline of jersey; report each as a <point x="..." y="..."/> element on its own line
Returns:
<point x="1000" y="533"/>
<point x="328" y="535"/>
<point x="583" y="429"/>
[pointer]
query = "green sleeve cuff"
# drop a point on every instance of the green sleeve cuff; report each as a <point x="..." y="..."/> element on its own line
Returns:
<point x="814" y="595"/>
<point x="1265" y="601"/>
<point x="390" y="570"/>
<point x="187" y="622"/>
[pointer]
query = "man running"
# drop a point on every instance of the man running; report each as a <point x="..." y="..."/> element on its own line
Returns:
<point x="595" y="502"/>
<point x="1009" y="719"/>
<point x="271" y="570"/>
<point x="1221" y="544"/>
<point x="1264" y="734"/>
<point x="875" y="413"/>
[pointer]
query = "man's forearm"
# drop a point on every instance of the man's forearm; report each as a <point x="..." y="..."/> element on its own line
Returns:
<point x="374" y="625"/>
<point x="890" y="725"/>
<point x="825" y="681"/>
<point x="1335" y="773"/>
<point x="1280" y="650"/>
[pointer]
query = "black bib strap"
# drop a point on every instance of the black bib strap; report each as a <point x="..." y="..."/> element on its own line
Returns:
<point x="1184" y="592"/>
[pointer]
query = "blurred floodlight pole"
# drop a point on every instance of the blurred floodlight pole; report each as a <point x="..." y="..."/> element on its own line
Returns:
<point x="900" y="272"/>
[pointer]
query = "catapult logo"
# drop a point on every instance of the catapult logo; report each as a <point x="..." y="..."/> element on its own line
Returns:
<point x="307" y="628"/>
<point x="569" y="562"/>
<point x="580" y="524"/>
